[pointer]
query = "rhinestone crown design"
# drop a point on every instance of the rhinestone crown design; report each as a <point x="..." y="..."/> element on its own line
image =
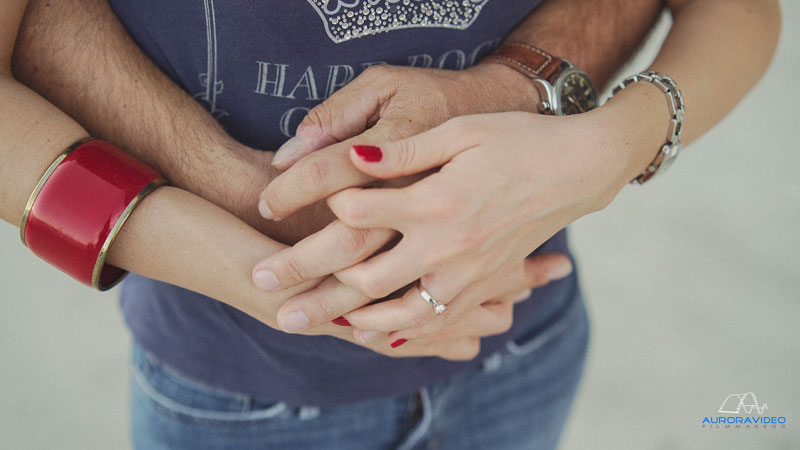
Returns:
<point x="349" y="19"/>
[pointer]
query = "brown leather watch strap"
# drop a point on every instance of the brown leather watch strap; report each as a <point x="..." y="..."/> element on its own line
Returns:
<point x="530" y="61"/>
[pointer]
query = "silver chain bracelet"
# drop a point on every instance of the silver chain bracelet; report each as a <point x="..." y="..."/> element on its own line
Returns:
<point x="669" y="151"/>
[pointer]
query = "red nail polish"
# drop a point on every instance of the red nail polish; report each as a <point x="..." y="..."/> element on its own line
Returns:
<point x="368" y="153"/>
<point x="341" y="321"/>
<point x="399" y="342"/>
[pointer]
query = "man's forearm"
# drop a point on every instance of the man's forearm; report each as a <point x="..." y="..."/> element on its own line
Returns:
<point x="598" y="36"/>
<point x="78" y="55"/>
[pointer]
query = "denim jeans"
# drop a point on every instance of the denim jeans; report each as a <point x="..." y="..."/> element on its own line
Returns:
<point x="518" y="399"/>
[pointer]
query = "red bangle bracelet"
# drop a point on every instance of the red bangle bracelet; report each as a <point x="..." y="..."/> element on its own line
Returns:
<point x="79" y="206"/>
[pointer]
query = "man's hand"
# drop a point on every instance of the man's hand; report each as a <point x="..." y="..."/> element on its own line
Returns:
<point x="383" y="103"/>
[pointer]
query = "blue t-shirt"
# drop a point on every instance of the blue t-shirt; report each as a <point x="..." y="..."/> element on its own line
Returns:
<point x="258" y="67"/>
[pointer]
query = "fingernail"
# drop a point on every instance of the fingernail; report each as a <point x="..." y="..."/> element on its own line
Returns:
<point x="368" y="153"/>
<point x="522" y="296"/>
<point x="264" y="210"/>
<point x="266" y="280"/>
<point x="286" y="150"/>
<point x="369" y="336"/>
<point x="294" y="322"/>
<point x="560" y="270"/>
<point x="399" y="342"/>
<point x="341" y="321"/>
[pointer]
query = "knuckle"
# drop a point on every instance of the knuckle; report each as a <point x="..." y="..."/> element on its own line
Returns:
<point x="459" y="125"/>
<point x="415" y="333"/>
<point x="376" y="71"/>
<point x="536" y="273"/>
<point x="353" y="241"/>
<point x="327" y="309"/>
<point x="315" y="172"/>
<point x="506" y="322"/>
<point x="351" y="213"/>
<point x="319" y="116"/>
<point x="319" y="308"/>
<point x="603" y="202"/>
<point x="473" y="348"/>
<point x="417" y="315"/>
<point x="435" y="326"/>
<point x="370" y="287"/>
<point x="405" y="154"/>
<point x="438" y="254"/>
<point x="449" y="205"/>
<point x="469" y="241"/>
<point x="432" y="281"/>
<point x="293" y="269"/>
<point x="467" y="349"/>
<point x="442" y="211"/>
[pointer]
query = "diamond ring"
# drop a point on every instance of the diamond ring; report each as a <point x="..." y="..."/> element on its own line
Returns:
<point x="437" y="307"/>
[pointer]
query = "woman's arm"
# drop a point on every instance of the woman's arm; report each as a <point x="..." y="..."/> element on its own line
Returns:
<point x="509" y="181"/>
<point x="716" y="51"/>
<point x="120" y="95"/>
<point x="173" y="236"/>
<point x="170" y="229"/>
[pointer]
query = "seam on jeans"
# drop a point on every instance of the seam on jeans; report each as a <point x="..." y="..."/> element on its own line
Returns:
<point x="197" y="413"/>
<point x="155" y="361"/>
<point x="548" y="334"/>
<point x="424" y="424"/>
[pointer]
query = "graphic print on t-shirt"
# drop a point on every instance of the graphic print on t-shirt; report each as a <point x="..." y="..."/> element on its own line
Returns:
<point x="258" y="66"/>
<point x="210" y="79"/>
<point x="350" y="19"/>
<point x="344" y="20"/>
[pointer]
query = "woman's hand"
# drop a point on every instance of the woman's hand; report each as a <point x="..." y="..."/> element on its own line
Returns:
<point x="507" y="183"/>
<point x="331" y="299"/>
<point x="511" y="180"/>
<point x="456" y="334"/>
<point x="458" y="341"/>
<point x="384" y="103"/>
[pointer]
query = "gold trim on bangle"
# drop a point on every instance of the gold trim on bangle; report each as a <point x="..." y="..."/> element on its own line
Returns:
<point x="41" y="183"/>
<point x="101" y="257"/>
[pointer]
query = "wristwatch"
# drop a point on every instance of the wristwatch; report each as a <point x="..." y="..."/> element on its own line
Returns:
<point x="563" y="88"/>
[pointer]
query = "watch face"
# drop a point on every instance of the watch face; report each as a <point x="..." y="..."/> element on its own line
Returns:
<point x="576" y="93"/>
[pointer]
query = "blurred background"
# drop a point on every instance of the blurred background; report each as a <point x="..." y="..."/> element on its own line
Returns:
<point x="692" y="282"/>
